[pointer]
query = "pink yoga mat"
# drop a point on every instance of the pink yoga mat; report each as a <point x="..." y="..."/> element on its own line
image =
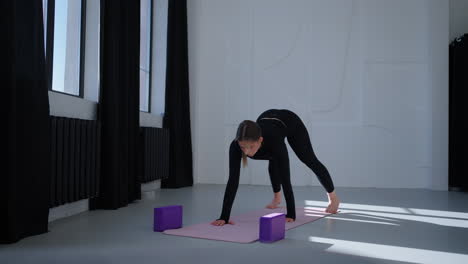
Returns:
<point x="246" y="228"/>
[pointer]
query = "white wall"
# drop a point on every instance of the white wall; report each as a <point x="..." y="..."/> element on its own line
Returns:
<point x="438" y="71"/>
<point x="368" y="77"/>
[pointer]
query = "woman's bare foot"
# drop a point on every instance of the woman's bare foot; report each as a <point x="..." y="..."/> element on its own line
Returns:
<point x="221" y="222"/>
<point x="273" y="205"/>
<point x="289" y="220"/>
<point x="275" y="202"/>
<point x="333" y="203"/>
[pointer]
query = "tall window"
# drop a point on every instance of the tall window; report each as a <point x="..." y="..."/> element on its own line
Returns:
<point x="66" y="52"/>
<point x="44" y="17"/>
<point x="91" y="56"/>
<point x="158" y="81"/>
<point x="145" y="54"/>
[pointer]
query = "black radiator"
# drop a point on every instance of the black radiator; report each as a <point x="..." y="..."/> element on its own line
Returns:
<point x="154" y="154"/>
<point x="75" y="157"/>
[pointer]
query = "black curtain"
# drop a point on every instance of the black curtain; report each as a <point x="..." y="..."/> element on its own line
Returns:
<point x="24" y="184"/>
<point x="177" y="105"/>
<point x="458" y="84"/>
<point x="118" y="109"/>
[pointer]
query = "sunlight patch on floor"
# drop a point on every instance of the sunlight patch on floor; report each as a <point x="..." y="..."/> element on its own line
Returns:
<point x="353" y="220"/>
<point x="379" y="251"/>
<point x="438" y="217"/>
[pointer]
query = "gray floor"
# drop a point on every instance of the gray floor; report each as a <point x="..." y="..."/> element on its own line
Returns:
<point x="374" y="226"/>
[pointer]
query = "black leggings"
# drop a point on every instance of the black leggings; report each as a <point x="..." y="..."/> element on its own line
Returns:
<point x="298" y="139"/>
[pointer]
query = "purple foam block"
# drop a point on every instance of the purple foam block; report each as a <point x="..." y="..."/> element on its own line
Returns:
<point x="272" y="227"/>
<point x="167" y="217"/>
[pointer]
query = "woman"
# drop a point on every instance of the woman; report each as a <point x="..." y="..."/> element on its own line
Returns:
<point x="264" y="140"/>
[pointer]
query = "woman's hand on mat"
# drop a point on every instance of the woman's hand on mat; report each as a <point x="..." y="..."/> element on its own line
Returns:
<point x="289" y="220"/>
<point x="221" y="222"/>
<point x="333" y="203"/>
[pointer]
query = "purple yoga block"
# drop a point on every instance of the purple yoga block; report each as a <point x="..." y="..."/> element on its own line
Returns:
<point x="167" y="217"/>
<point x="272" y="227"/>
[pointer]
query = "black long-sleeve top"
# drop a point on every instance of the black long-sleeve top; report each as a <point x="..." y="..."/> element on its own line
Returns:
<point x="273" y="148"/>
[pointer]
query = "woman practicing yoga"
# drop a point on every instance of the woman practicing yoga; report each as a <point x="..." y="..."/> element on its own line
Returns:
<point x="264" y="140"/>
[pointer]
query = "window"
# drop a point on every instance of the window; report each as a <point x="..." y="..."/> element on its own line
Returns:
<point x="159" y="45"/>
<point x="91" y="56"/>
<point x="145" y="54"/>
<point x="64" y="34"/>
<point x="44" y="17"/>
